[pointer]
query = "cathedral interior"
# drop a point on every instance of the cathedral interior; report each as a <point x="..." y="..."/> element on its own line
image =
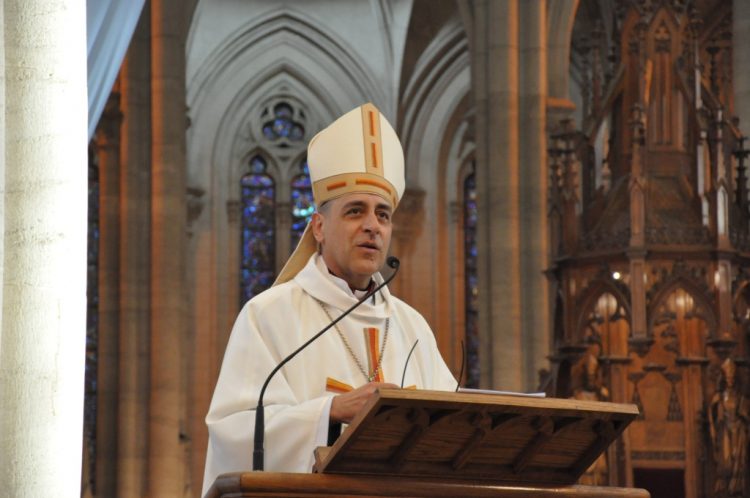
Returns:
<point x="576" y="217"/>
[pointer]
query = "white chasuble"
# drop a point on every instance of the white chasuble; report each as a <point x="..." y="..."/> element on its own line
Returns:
<point x="297" y="401"/>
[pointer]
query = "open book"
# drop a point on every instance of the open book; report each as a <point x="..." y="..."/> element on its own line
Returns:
<point x="469" y="390"/>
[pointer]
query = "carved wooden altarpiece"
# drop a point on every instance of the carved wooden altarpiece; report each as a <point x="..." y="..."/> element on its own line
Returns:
<point x="650" y="240"/>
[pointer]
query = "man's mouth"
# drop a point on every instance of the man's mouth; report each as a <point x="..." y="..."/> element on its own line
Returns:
<point x="369" y="245"/>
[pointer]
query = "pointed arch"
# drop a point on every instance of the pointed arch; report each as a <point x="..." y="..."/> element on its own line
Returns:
<point x="595" y="290"/>
<point x="560" y="19"/>
<point x="666" y="104"/>
<point x="741" y="314"/>
<point x="603" y="316"/>
<point x="267" y="37"/>
<point x="258" y="228"/>
<point x="434" y="125"/>
<point x="694" y="290"/>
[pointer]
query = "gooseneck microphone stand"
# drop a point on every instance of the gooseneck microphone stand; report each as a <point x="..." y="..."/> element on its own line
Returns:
<point x="260" y="424"/>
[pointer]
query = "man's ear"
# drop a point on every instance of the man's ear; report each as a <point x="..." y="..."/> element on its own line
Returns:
<point x="316" y="223"/>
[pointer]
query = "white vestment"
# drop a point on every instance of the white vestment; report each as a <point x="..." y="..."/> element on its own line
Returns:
<point x="275" y="323"/>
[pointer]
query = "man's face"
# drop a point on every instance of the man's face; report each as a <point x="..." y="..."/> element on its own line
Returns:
<point x="354" y="232"/>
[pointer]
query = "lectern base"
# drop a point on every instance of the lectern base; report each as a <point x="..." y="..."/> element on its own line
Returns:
<point x="273" y="484"/>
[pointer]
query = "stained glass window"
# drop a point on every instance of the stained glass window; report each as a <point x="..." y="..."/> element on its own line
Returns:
<point x="258" y="230"/>
<point x="283" y="124"/>
<point x="302" y="202"/>
<point x="471" y="281"/>
<point x="92" y="323"/>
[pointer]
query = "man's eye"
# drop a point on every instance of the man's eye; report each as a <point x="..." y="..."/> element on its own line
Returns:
<point x="385" y="215"/>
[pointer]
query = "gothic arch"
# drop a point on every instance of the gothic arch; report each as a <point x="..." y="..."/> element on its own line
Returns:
<point x="240" y="127"/>
<point x="742" y="287"/>
<point x="291" y="56"/>
<point x="560" y="19"/>
<point x="272" y="167"/>
<point x="694" y="290"/>
<point x="434" y="127"/>
<point x="666" y="104"/>
<point x="223" y="139"/>
<point x="741" y="315"/>
<point x="444" y="57"/>
<point x="259" y="43"/>
<point x="602" y="316"/>
<point x="440" y="82"/>
<point x="591" y="295"/>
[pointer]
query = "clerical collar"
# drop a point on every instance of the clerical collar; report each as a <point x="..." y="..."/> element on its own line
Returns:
<point x="319" y="283"/>
<point x="358" y="293"/>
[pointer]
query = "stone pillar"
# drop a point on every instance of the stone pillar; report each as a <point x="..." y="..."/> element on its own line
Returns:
<point x="135" y="195"/>
<point x="495" y="83"/>
<point x="44" y="280"/>
<point x="2" y="161"/>
<point x="107" y="142"/>
<point x="509" y="83"/>
<point x="535" y="306"/>
<point x="740" y="56"/>
<point x="167" y="453"/>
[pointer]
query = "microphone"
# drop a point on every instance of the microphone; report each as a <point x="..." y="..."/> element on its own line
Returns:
<point x="406" y="363"/>
<point x="260" y="424"/>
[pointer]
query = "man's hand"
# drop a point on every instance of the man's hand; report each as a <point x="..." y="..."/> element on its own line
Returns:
<point x="345" y="406"/>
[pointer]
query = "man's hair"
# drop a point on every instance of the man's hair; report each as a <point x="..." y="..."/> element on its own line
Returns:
<point x="323" y="208"/>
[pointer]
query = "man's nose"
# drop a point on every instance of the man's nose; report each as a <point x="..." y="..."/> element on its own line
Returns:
<point x="370" y="223"/>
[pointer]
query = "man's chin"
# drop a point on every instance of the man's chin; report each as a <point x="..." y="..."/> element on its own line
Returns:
<point x="370" y="267"/>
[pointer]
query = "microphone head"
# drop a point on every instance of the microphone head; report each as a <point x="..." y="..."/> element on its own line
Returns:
<point x="393" y="262"/>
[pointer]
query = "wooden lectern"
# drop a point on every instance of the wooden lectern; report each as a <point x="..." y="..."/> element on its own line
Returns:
<point x="438" y="444"/>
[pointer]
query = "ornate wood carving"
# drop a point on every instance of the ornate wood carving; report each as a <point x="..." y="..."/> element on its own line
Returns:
<point x="652" y="187"/>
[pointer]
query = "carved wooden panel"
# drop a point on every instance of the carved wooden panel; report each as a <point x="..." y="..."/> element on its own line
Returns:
<point x="654" y="267"/>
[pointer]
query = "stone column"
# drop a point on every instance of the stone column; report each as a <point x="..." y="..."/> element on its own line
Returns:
<point x="44" y="280"/>
<point x="167" y="456"/>
<point x="495" y="84"/>
<point x="107" y="142"/>
<point x="740" y="56"/>
<point x="535" y="306"/>
<point x="135" y="195"/>
<point x="2" y="161"/>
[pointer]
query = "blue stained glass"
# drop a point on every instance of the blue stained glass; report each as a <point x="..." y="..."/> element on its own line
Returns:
<point x="303" y="205"/>
<point x="283" y="110"/>
<point x="92" y="323"/>
<point x="257" y="267"/>
<point x="283" y="125"/>
<point x="257" y="166"/>
<point x="471" y="281"/>
<point x="297" y="133"/>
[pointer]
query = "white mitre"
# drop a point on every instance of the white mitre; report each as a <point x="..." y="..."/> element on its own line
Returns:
<point x="359" y="152"/>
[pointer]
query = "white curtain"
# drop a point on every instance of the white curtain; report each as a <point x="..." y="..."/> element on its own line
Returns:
<point x="109" y="28"/>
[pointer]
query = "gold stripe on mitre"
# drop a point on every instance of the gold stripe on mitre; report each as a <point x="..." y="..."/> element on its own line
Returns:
<point x="346" y="183"/>
<point x="371" y="139"/>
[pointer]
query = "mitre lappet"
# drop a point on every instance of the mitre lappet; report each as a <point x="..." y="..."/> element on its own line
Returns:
<point x="358" y="153"/>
